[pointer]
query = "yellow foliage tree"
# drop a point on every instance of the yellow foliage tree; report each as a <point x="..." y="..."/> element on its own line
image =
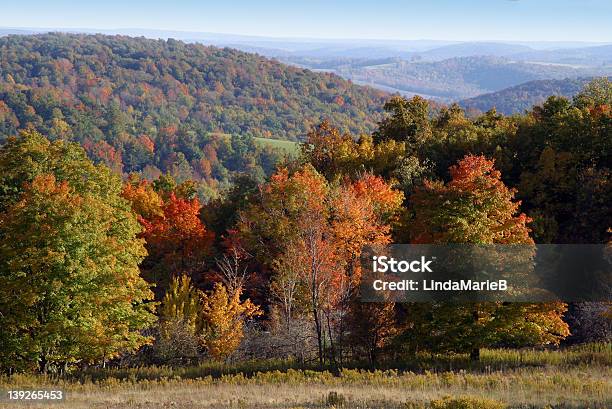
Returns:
<point x="223" y="316"/>
<point x="181" y="303"/>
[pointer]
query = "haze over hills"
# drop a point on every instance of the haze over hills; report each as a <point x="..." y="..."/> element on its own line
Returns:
<point x="305" y="46"/>
<point x="522" y="97"/>
<point x="473" y="49"/>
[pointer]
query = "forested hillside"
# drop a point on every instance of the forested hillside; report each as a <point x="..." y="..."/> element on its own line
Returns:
<point x="165" y="106"/>
<point x="522" y="97"/>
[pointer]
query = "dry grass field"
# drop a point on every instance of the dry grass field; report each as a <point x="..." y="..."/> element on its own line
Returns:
<point x="556" y="380"/>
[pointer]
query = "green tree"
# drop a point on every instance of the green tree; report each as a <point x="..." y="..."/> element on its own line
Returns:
<point x="70" y="288"/>
<point x="409" y="122"/>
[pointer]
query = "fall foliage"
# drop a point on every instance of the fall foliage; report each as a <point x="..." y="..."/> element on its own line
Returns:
<point x="70" y="250"/>
<point x="476" y="207"/>
<point x="177" y="241"/>
<point x="249" y="255"/>
<point x="223" y="316"/>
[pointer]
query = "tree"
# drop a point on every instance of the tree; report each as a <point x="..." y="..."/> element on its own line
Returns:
<point x="558" y="151"/>
<point x="598" y="92"/>
<point x="176" y="239"/>
<point x="372" y="327"/>
<point x="290" y="226"/>
<point x="476" y="207"/>
<point x="181" y="302"/>
<point x="69" y="248"/>
<point x="310" y="233"/>
<point x="330" y="152"/>
<point x="409" y="122"/>
<point x="146" y="202"/>
<point x="179" y="321"/>
<point x="232" y="265"/>
<point x="336" y="155"/>
<point x="223" y="316"/>
<point x="285" y="287"/>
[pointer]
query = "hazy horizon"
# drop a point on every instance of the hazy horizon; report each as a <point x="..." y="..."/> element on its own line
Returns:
<point x="295" y="44"/>
<point x="386" y="20"/>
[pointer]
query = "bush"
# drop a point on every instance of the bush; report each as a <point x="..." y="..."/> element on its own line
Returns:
<point x="466" y="402"/>
<point x="335" y="399"/>
<point x="176" y="344"/>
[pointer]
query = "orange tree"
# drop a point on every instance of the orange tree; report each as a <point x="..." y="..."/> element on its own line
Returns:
<point x="176" y="239"/>
<point x="310" y="233"/>
<point x="476" y="207"/>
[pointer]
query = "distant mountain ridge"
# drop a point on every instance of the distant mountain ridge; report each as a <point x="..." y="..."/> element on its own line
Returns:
<point x="523" y="97"/>
<point x="451" y="79"/>
<point x="598" y="55"/>
<point x="474" y="49"/>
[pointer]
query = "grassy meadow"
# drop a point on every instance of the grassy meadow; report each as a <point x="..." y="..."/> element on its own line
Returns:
<point x="288" y="147"/>
<point x="573" y="378"/>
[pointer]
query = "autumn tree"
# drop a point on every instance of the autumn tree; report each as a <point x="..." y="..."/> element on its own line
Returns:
<point x="179" y="321"/>
<point x="181" y="302"/>
<point x="213" y="320"/>
<point x="145" y="201"/>
<point x="223" y="315"/>
<point x="336" y="155"/>
<point x="176" y="239"/>
<point x="331" y="152"/>
<point x="373" y="326"/>
<point x="598" y="92"/>
<point x="289" y="227"/>
<point x="311" y="234"/>
<point x="233" y="264"/>
<point x="69" y="249"/>
<point x="476" y="207"/>
<point x="562" y="165"/>
<point x="408" y="121"/>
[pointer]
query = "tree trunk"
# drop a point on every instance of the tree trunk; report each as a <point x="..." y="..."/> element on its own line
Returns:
<point x="331" y="341"/>
<point x="43" y="365"/>
<point x="475" y="353"/>
<point x="319" y="335"/>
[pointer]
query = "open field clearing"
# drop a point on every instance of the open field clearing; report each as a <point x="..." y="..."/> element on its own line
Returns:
<point x="574" y="378"/>
<point x="289" y="147"/>
<point x="525" y="388"/>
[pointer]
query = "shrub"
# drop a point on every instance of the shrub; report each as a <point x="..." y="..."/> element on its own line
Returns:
<point x="335" y="399"/>
<point x="466" y="402"/>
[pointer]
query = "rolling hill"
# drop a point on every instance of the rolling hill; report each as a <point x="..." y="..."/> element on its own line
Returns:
<point x="157" y="105"/>
<point x="593" y="56"/>
<point x="522" y="97"/>
<point x="474" y="49"/>
<point x="456" y="78"/>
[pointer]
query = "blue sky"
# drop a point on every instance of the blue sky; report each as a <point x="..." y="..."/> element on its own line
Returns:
<point x="467" y="20"/>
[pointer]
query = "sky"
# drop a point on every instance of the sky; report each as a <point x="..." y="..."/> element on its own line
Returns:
<point x="462" y="20"/>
